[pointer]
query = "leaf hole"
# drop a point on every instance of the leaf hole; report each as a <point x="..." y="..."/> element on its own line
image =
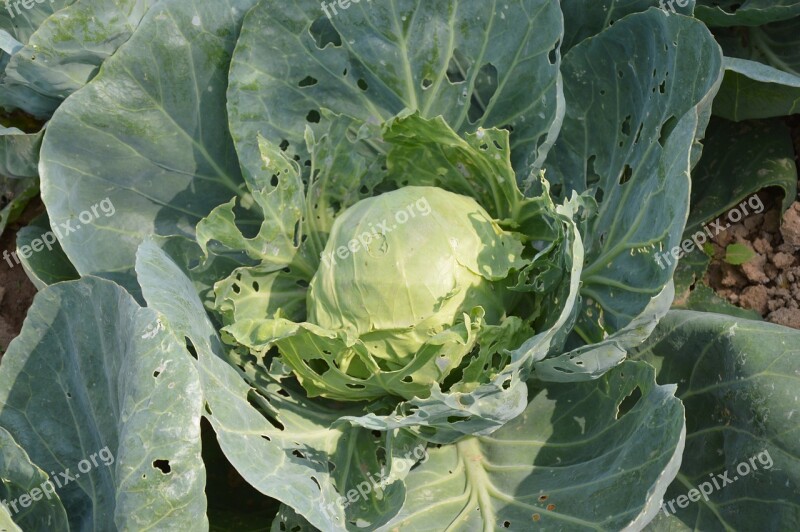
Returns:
<point x="362" y="84"/>
<point x="163" y="466"/>
<point x="426" y="84"/>
<point x="626" y="174"/>
<point x="308" y="81"/>
<point x="485" y="88"/>
<point x="457" y="68"/>
<point x="626" y="126"/>
<point x="552" y="55"/>
<point x="190" y="347"/>
<point x="324" y="33"/>
<point x="313" y="116"/>
<point x="629" y="402"/>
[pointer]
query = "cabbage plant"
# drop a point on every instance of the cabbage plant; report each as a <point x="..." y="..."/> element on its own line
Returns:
<point x="392" y="265"/>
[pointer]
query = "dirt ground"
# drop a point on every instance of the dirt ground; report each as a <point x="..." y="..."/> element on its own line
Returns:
<point x="769" y="283"/>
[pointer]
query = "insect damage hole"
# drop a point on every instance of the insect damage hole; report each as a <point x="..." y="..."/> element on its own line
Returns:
<point x="313" y="117"/>
<point x="163" y="466"/>
<point x="628" y="403"/>
<point x="626" y="126"/>
<point x="486" y="85"/>
<point x="307" y="81"/>
<point x="324" y="33"/>
<point x="626" y="174"/>
<point x="190" y="347"/>
<point x="457" y="68"/>
<point x="552" y="55"/>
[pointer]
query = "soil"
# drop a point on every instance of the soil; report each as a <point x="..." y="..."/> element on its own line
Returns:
<point x="16" y="291"/>
<point x="769" y="283"/>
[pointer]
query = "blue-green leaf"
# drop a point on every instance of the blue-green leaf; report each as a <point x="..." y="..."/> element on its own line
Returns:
<point x="103" y="394"/>
<point x="738" y="381"/>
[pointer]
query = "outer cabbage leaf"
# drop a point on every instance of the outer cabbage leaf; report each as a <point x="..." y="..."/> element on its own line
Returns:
<point x="474" y="66"/>
<point x="738" y="382"/>
<point x="738" y="161"/>
<point x="21" y="26"/>
<point x="49" y="265"/>
<point x="755" y="90"/>
<point x="153" y="137"/>
<point x="82" y="378"/>
<point x="582" y="456"/>
<point x="66" y="51"/>
<point x="19" y="476"/>
<point x="19" y="152"/>
<point x="593" y="360"/>
<point x="584" y="19"/>
<point x="18" y="192"/>
<point x="745" y="13"/>
<point x="638" y="95"/>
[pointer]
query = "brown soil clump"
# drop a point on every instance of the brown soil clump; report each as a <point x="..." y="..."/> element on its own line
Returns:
<point x="769" y="283"/>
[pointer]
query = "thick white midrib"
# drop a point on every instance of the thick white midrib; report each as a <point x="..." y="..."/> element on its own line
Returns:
<point x="469" y="452"/>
